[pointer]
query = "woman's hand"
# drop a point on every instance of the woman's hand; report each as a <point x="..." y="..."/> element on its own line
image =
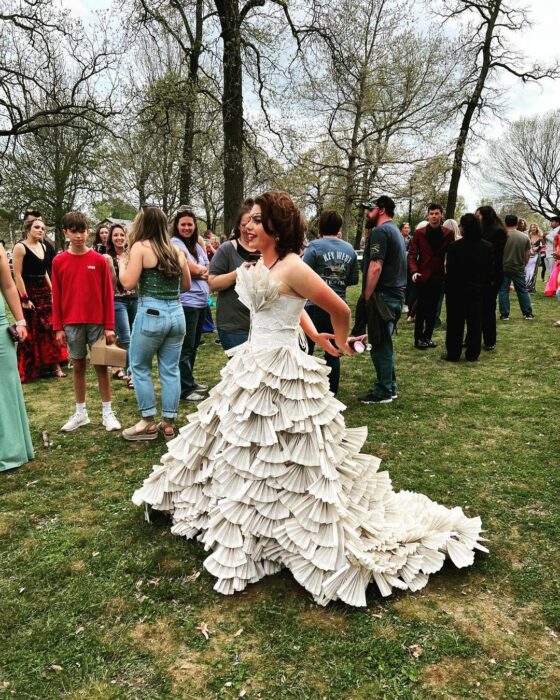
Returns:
<point x="22" y="333"/>
<point x="27" y="304"/>
<point x="324" y="341"/>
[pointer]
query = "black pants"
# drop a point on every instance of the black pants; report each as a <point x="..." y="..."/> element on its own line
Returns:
<point x="463" y="307"/>
<point x="322" y="322"/>
<point x="489" y="297"/>
<point x="426" y="309"/>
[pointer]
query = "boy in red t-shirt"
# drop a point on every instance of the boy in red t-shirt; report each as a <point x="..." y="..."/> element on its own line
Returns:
<point x="83" y="311"/>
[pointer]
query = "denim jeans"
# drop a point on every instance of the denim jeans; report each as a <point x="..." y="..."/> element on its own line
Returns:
<point x="520" y="284"/>
<point x="383" y="355"/>
<point x="194" y="320"/>
<point x="158" y="334"/>
<point x="125" y="312"/>
<point x="322" y="322"/>
<point x="231" y="340"/>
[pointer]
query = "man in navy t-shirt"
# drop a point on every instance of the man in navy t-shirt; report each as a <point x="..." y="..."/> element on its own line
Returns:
<point x="384" y="283"/>
<point x="336" y="262"/>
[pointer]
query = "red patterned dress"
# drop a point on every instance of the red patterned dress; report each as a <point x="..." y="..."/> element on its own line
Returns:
<point x="40" y="351"/>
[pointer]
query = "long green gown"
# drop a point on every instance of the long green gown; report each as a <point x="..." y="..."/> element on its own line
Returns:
<point x="16" y="447"/>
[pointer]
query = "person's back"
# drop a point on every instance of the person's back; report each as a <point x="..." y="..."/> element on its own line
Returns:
<point x="469" y="265"/>
<point x="335" y="261"/>
<point x="516" y="251"/>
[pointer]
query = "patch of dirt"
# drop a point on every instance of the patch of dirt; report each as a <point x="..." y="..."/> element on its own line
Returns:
<point x="93" y="691"/>
<point x="416" y="608"/>
<point x="328" y="621"/>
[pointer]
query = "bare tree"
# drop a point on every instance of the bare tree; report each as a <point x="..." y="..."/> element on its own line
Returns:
<point x="35" y="40"/>
<point x="489" y="46"/>
<point x="526" y="163"/>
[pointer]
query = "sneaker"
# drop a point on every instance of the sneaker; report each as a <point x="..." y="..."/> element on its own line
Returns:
<point x="76" y="421"/>
<point x="371" y="398"/>
<point x="504" y="317"/>
<point x="529" y="317"/>
<point x="194" y="396"/>
<point x="110" y="422"/>
<point x="200" y="387"/>
<point x="394" y="396"/>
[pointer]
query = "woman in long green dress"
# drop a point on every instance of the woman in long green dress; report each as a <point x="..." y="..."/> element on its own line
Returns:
<point x="15" y="439"/>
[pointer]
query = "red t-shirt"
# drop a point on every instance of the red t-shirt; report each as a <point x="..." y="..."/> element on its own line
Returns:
<point x="82" y="290"/>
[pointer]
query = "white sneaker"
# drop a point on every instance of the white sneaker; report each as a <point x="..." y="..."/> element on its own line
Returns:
<point x="110" y="422"/>
<point x="76" y="421"/>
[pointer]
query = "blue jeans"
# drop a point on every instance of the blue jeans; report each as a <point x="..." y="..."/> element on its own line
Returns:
<point x="160" y="333"/>
<point x="383" y="355"/>
<point x="322" y="322"/>
<point x="232" y="340"/>
<point x="194" y="320"/>
<point x="520" y="284"/>
<point x="125" y="312"/>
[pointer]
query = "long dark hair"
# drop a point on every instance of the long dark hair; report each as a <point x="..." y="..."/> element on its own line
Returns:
<point x="282" y="220"/>
<point x="192" y="241"/>
<point x="472" y="230"/>
<point x="97" y="240"/>
<point x="110" y="246"/>
<point x="491" y="222"/>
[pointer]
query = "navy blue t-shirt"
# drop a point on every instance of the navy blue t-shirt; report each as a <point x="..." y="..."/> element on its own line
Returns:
<point x="335" y="261"/>
<point x="386" y="243"/>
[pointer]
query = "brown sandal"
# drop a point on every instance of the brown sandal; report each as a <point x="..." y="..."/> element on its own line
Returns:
<point x="148" y="432"/>
<point x="167" y="430"/>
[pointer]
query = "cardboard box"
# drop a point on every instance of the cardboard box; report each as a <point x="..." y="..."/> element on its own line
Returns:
<point x="109" y="355"/>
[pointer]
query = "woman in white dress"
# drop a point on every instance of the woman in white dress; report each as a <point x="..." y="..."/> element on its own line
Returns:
<point x="267" y="475"/>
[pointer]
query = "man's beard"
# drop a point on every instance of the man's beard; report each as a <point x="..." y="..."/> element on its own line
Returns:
<point x="372" y="223"/>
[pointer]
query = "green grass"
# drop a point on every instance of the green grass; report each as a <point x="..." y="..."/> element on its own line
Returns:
<point x="97" y="603"/>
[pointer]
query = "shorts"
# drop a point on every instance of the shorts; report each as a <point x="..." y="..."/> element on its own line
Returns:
<point x="79" y="336"/>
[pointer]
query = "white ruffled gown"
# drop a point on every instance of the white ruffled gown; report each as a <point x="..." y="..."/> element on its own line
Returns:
<point x="267" y="475"/>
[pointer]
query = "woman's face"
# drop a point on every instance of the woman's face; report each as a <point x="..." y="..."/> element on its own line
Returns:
<point x="260" y="238"/>
<point x="533" y="228"/>
<point x="118" y="237"/>
<point x="104" y="235"/>
<point x="405" y="230"/>
<point x="186" y="226"/>
<point x="247" y="239"/>
<point x="37" y="230"/>
<point x="478" y="215"/>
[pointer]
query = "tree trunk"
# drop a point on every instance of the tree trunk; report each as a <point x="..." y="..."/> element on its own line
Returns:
<point x="232" y="110"/>
<point x="472" y="105"/>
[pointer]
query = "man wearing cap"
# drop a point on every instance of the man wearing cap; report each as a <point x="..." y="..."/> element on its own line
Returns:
<point x="384" y="284"/>
<point x="552" y="244"/>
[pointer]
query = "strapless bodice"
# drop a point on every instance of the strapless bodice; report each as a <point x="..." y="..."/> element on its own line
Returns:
<point x="274" y="316"/>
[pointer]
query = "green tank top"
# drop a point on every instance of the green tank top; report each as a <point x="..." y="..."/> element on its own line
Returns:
<point x="154" y="283"/>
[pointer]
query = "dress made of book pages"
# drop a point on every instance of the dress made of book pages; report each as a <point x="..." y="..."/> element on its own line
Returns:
<point x="267" y="475"/>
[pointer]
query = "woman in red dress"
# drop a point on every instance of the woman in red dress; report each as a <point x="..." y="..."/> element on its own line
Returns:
<point x="40" y="353"/>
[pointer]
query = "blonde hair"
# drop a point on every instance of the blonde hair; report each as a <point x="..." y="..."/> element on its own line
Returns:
<point x="151" y="225"/>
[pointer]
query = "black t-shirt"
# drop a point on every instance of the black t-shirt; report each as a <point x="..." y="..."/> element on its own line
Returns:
<point x="386" y="243"/>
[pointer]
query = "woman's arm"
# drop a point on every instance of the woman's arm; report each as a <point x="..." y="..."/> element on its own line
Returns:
<point x="131" y="270"/>
<point x="10" y="292"/>
<point x="301" y="278"/>
<point x="186" y="277"/>
<point x="17" y="258"/>
<point x="218" y="283"/>
<point x="321" y="339"/>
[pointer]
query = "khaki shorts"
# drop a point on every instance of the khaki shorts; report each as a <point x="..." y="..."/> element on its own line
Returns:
<point x="79" y="336"/>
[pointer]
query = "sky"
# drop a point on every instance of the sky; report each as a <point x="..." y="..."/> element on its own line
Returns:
<point x="539" y="43"/>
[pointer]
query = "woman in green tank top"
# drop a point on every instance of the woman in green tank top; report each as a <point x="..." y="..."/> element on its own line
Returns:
<point x="159" y="270"/>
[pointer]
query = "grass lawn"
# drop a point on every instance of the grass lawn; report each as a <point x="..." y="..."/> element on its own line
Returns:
<point x="97" y="603"/>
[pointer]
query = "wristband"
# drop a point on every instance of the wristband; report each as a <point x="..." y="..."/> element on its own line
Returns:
<point x="22" y="322"/>
<point x="24" y="297"/>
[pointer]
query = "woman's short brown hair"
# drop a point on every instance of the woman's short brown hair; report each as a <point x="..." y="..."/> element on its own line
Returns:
<point x="283" y="220"/>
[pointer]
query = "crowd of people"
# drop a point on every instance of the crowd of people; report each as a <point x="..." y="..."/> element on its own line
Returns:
<point x="148" y="289"/>
<point x="266" y="472"/>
